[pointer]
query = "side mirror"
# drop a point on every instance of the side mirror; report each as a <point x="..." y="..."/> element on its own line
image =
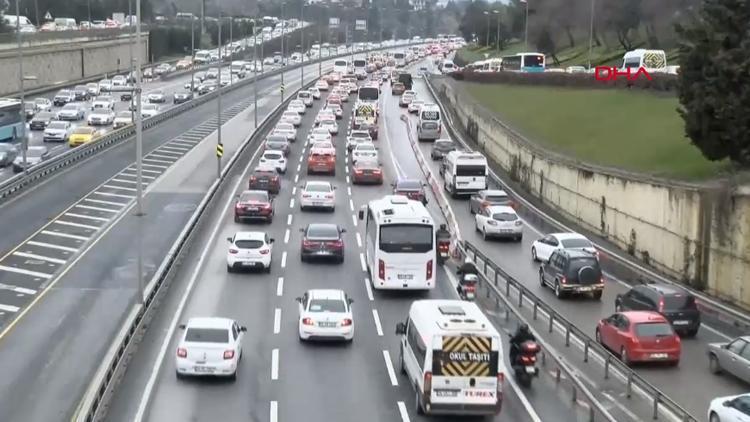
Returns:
<point x="334" y="188"/>
<point x="229" y="239"/>
<point x="301" y="229"/>
<point x="298" y="299"/>
<point x="182" y="326"/>
<point x="350" y="301"/>
<point x="342" y="230"/>
<point x="243" y="329"/>
<point x="400" y="328"/>
<point x="271" y="240"/>
<point x="361" y="214"/>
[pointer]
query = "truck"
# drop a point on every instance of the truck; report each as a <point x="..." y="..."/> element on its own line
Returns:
<point x="405" y="78"/>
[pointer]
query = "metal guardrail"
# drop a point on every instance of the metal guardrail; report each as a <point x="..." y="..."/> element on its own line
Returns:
<point x="660" y="401"/>
<point x="36" y="174"/>
<point x="562" y="368"/>
<point x="707" y="305"/>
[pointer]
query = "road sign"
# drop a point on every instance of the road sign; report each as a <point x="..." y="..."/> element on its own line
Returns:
<point x="48" y="16"/>
<point x="282" y="88"/>
<point x="360" y="25"/>
<point x="333" y="23"/>
<point x="219" y="150"/>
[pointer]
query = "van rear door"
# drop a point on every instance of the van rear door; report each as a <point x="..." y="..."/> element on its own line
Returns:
<point x="465" y="372"/>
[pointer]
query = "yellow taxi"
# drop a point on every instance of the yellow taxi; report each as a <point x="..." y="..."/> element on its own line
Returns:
<point x="82" y="135"/>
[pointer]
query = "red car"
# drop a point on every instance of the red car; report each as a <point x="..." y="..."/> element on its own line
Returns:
<point x="253" y="205"/>
<point x="640" y="336"/>
<point x="411" y="188"/>
<point x="367" y="171"/>
<point x="333" y="99"/>
<point x="265" y="179"/>
<point x="321" y="162"/>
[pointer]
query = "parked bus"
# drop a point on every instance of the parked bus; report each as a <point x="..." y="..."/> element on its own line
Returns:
<point x="12" y="121"/>
<point x="524" y="62"/>
<point x="399" y="244"/>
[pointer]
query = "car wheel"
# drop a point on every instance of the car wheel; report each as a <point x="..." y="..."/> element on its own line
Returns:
<point x="233" y="377"/>
<point x="519" y="238"/>
<point x="714" y="417"/>
<point x="691" y="333"/>
<point x="597" y="295"/>
<point x="401" y="364"/>
<point x="236" y="219"/>
<point x="267" y="269"/>
<point x="533" y="254"/>
<point x="558" y="291"/>
<point x="179" y="375"/>
<point x="418" y="402"/>
<point x="484" y="234"/>
<point x="541" y="278"/>
<point x="713" y="364"/>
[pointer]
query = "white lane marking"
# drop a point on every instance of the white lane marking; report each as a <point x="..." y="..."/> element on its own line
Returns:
<point x="277" y="321"/>
<point x="359" y="240"/>
<point x="283" y="260"/>
<point x="296" y="177"/>
<point x="349" y="190"/>
<point x="369" y="289"/>
<point x="286" y="236"/>
<point x="25" y="272"/>
<point x="389" y="366"/>
<point x="135" y="170"/>
<point x="156" y="166"/>
<point x="71" y="224"/>
<point x="274" y="416"/>
<point x="135" y="176"/>
<point x="300" y="162"/>
<point x="351" y="205"/>
<point x="289" y="220"/>
<point x="101" y="201"/>
<point x="69" y="236"/>
<point x="70" y="214"/>
<point x="100" y="209"/>
<point x="116" y="195"/>
<point x="280" y="287"/>
<point x="294" y="192"/>
<point x="275" y="364"/>
<point x="354" y="220"/>
<point x="120" y="187"/>
<point x="346" y="169"/>
<point x="171" y="155"/>
<point x="154" y="160"/>
<point x="291" y="203"/>
<point x="18" y="289"/>
<point x="378" y="326"/>
<point x="51" y="246"/>
<point x="362" y="261"/>
<point x="9" y="308"/>
<point x="39" y="257"/>
<point x="132" y="182"/>
<point x="179" y="149"/>
<point x="403" y="412"/>
<point x="347" y="178"/>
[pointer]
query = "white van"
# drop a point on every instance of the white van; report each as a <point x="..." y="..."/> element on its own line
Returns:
<point x="202" y="57"/>
<point x="360" y="68"/>
<point x="464" y="172"/>
<point x="341" y="66"/>
<point x="654" y="61"/>
<point x="447" y="67"/>
<point x="451" y="354"/>
<point x="65" y="24"/>
<point x="429" y="126"/>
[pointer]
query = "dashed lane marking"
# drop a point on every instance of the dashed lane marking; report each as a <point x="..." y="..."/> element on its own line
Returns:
<point x="275" y="364"/>
<point x="289" y="220"/>
<point x="403" y="412"/>
<point x="36" y="274"/>
<point x="65" y="235"/>
<point x="283" y="260"/>
<point x="274" y="414"/>
<point x="389" y="367"/>
<point x="277" y="321"/>
<point x="51" y="246"/>
<point x="280" y="287"/>
<point x="114" y="195"/>
<point x="286" y="236"/>
<point x="359" y="240"/>
<point x="156" y="166"/>
<point x="120" y="188"/>
<point x="9" y="308"/>
<point x="39" y="257"/>
<point x="368" y="287"/>
<point x="378" y="326"/>
<point x="362" y="261"/>
<point x="72" y="224"/>
<point x="355" y="222"/>
<point x="101" y="201"/>
<point x="17" y="289"/>
<point x="100" y="209"/>
<point x="86" y="217"/>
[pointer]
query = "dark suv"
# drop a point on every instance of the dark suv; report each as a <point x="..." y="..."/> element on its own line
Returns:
<point x="572" y="271"/>
<point x="675" y="303"/>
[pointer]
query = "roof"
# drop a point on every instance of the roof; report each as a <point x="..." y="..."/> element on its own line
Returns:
<point x="326" y="294"/>
<point x="210" y="322"/>
<point x="502" y="208"/>
<point x="644" y="316"/>
<point x="666" y="288"/>
<point x="495" y="192"/>
<point x="399" y="207"/>
<point x="317" y="183"/>
<point x="565" y="236"/>
<point x="250" y="236"/>
<point x="438" y="317"/>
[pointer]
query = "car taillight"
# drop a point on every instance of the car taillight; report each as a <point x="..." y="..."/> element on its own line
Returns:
<point x="252" y="179"/>
<point x="331" y="158"/>
<point x="228" y="354"/>
<point x="661" y="304"/>
<point x="492" y="222"/>
<point x="306" y="195"/>
<point x="346" y="322"/>
<point x="428" y="270"/>
<point x="329" y="196"/>
<point x="233" y="251"/>
<point x="519" y="223"/>
<point x="181" y="352"/>
<point x="381" y="269"/>
<point x="338" y="244"/>
<point x="306" y="243"/>
<point x="264" y="251"/>
<point x="275" y="179"/>
<point x="563" y="280"/>
<point x="266" y="206"/>
<point x="307" y="321"/>
<point x="470" y="288"/>
<point x="427" y="383"/>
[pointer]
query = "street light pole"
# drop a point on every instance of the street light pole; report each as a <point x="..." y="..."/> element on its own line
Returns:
<point x="218" y="103"/>
<point x="192" y="55"/>
<point x="497" y="41"/>
<point x="24" y="141"/>
<point x="302" y="44"/>
<point x="487" y="42"/>
<point x="231" y="50"/>
<point x="139" y="144"/>
<point x="283" y="56"/>
<point x="591" y="33"/>
<point x="255" y="72"/>
<point x="526" y="28"/>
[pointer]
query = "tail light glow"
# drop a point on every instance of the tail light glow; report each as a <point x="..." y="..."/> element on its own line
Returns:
<point x="346" y="322"/>
<point x="329" y="196"/>
<point x="306" y="195"/>
<point x="381" y="269"/>
<point x="661" y="304"/>
<point x="307" y="321"/>
<point x="181" y="352"/>
<point x="228" y="354"/>
<point x="429" y="270"/>
<point x="563" y="280"/>
<point x="233" y="251"/>
<point x="338" y="244"/>
<point x="427" y="382"/>
<point x="264" y="251"/>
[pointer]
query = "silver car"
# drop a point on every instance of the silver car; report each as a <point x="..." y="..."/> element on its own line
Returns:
<point x="57" y="131"/>
<point x="732" y="358"/>
<point x="488" y="198"/>
<point x="72" y="111"/>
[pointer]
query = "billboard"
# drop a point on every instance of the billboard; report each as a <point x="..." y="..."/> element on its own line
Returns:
<point x="360" y="25"/>
<point x="333" y="23"/>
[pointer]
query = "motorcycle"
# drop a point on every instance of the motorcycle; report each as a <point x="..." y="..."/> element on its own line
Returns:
<point x="443" y="250"/>
<point x="467" y="288"/>
<point x="525" y="365"/>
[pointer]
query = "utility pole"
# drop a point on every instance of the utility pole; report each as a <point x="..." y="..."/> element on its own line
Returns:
<point x="218" y="108"/>
<point x="192" y="55"/>
<point x="231" y="49"/>
<point x="139" y="144"/>
<point x="283" y="56"/>
<point x="497" y="40"/>
<point x="255" y="72"/>
<point x="591" y="32"/>
<point x="302" y="44"/>
<point x="526" y="28"/>
<point x="320" y="49"/>
<point x="22" y="111"/>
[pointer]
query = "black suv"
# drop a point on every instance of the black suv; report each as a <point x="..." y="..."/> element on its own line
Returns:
<point x="675" y="303"/>
<point x="572" y="271"/>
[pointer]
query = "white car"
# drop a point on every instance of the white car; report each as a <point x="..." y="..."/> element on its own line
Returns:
<point x="306" y="97"/>
<point x="149" y="110"/>
<point x="322" y="85"/>
<point x="367" y="151"/>
<point x="542" y="249"/>
<point x="337" y="110"/>
<point x="318" y="135"/>
<point x="315" y="194"/>
<point x="322" y="147"/>
<point x="292" y="117"/>
<point x="122" y="119"/>
<point x="103" y="102"/>
<point x="415" y="105"/>
<point x="325" y="314"/>
<point x="325" y="114"/>
<point x="287" y="129"/>
<point x="330" y="125"/>
<point x="357" y="137"/>
<point x="105" y="85"/>
<point x="157" y="97"/>
<point x="730" y="409"/>
<point x="101" y="117"/>
<point x="71" y="111"/>
<point x="57" y="131"/>
<point x="209" y="347"/>
<point x="298" y="106"/>
<point x="119" y="80"/>
<point x="249" y="250"/>
<point x="499" y="221"/>
<point x="315" y="92"/>
<point x="42" y="104"/>
<point x="274" y="159"/>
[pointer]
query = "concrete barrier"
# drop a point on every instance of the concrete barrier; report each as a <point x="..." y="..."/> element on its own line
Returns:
<point x="693" y="233"/>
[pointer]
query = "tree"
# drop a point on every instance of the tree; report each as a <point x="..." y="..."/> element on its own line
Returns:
<point x="714" y="64"/>
<point x="624" y="16"/>
<point x="473" y="23"/>
<point x="3" y="9"/>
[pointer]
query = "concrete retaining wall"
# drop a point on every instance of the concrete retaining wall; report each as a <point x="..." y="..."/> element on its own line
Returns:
<point x="70" y="62"/>
<point x="698" y="234"/>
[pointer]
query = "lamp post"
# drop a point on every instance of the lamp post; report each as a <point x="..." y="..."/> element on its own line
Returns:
<point x="526" y="27"/>
<point x="487" y="43"/>
<point x="497" y="40"/>
<point x="22" y="111"/>
<point x="192" y="55"/>
<point x="283" y="56"/>
<point x="255" y="72"/>
<point x="231" y="49"/>
<point x="302" y="43"/>
<point x="139" y="145"/>
<point x="218" y="103"/>
<point x="591" y="32"/>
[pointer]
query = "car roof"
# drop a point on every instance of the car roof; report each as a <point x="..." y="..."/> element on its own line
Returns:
<point x="666" y="289"/>
<point x="565" y="236"/>
<point x="326" y="294"/>
<point x="494" y="192"/>
<point x="502" y="208"/>
<point x="317" y="183"/>
<point x="210" y="322"/>
<point x="255" y="191"/>
<point x="330" y="226"/>
<point x="644" y="316"/>
<point x="250" y="236"/>
<point x="575" y="253"/>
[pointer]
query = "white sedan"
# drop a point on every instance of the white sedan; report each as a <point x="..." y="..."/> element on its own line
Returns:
<point x="122" y="119"/>
<point x="325" y="314"/>
<point x="365" y="151"/>
<point x="316" y="92"/>
<point x="330" y="125"/>
<point x="287" y="129"/>
<point x="325" y="115"/>
<point x="101" y="117"/>
<point x="298" y="106"/>
<point x="357" y="137"/>
<point x="315" y="194"/>
<point x="149" y="110"/>
<point x="157" y="97"/>
<point x="249" y="250"/>
<point x="499" y="221"/>
<point x="542" y="249"/>
<point x="274" y="159"/>
<point x="209" y="347"/>
<point x="730" y="409"/>
<point x="292" y="117"/>
<point x="319" y="134"/>
<point x="321" y="85"/>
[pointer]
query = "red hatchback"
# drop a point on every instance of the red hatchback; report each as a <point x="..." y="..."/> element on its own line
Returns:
<point x="253" y="205"/>
<point x="640" y="336"/>
<point x="265" y="179"/>
<point x="321" y="162"/>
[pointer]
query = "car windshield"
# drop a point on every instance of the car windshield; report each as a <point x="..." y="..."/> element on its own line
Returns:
<point x="284" y="126"/>
<point x="293" y="114"/>
<point x="363" y="135"/>
<point x="45" y="115"/>
<point x="317" y="187"/>
<point x="277" y="139"/>
<point x="207" y="335"/>
<point x="254" y="197"/>
<point x="406" y="238"/>
<point x="149" y="107"/>
<point x="272" y="155"/>
<point x="576" y="243"/>
<point x="504" y="216"/>
<point x="365" y="147"/>
<point x="83" y="131"/>
<point x="71" y="107"/>
<point x="653" y="329"/>
<point x="264" y="173"/>
<point x="321" y="131"/>
<point x="322" y="231"/>
<point x="57" y="125"/>
<point x="248" y="244"/>
<point x="409" y="185"/>
<point x="304" y="95"/>
<point x="326" y="305"/>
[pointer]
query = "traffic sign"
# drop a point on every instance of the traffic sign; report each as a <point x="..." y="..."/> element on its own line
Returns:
<point x="360" y="25"/>
<point x="219" y="150"/>
<point x="282" y="88"/>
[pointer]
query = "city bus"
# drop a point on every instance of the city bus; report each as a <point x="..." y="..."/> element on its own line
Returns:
<point x="399" y="244"/>
<point x="12" y="123"/>
<point x="524" y="62"/>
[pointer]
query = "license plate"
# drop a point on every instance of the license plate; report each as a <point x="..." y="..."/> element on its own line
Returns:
<point x="204" y="369"/>
<point x="659" y="355"/>
<point x="681" y="323"/>
<point x="317" y="204"/>
<point x="406" y="276"/>
<point x="327" y="324"/>
<point x="253" y="209"/>
<point x="463" y="183"/>
<point x="530" y="370"/>
<point x="446" y="393"/>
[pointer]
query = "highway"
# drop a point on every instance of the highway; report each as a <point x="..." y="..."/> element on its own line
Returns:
<point x="280" y="378"/>
<point x="691" y="384"/>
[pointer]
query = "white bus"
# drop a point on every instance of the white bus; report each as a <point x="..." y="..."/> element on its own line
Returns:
<point x="464" y="172"/>
<point x="360" y="68"/>
<point x="400" y="58"/>
<point x="451" y="354"/>
<point x="341" y="66"/>
<point x="369" y="94"/>
<point x="399" y="244"/>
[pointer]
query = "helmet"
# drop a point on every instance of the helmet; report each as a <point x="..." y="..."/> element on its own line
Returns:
<point x="523" y="328"/>
<point x="443" y="227"/>
<point x="468" y="260"/>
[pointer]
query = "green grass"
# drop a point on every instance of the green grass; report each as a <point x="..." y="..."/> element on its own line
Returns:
<point x="634" y="131"/>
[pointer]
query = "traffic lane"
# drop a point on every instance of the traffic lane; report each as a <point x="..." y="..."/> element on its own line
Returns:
<point x="585" y="312"/>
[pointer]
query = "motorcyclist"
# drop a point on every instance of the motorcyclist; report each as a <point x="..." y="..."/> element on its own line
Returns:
<point x="466" y="268"/>
<point x="522" y="335"/>
<point x="442" y="234"/>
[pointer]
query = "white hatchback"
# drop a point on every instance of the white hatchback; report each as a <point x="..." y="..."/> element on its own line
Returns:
<point x="319" y="135"/>
<point x="330" y="125"/>
<point x="366" y="151"/>
<point x="316" y="194"/>
<point x="542" y="248"/>
<point x="287" y="129"/>
<point x="209" y="347"/>
<point x="499" y="221"/>
<point x="274" y="159"/>
<point x="325" y="314"/>
<point x="306" y="97"/>
<point x="249" y="250"/>
<point x="298" y="106"/>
